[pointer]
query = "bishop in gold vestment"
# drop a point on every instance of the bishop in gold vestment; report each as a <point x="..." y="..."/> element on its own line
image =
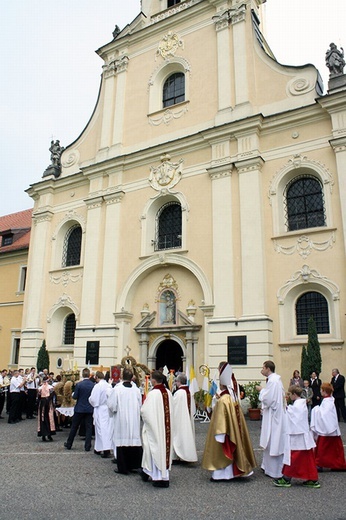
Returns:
<point x="228" y="449"/>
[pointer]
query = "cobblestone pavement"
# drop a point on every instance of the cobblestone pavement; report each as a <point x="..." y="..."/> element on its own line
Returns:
<point x="43" y="481"/>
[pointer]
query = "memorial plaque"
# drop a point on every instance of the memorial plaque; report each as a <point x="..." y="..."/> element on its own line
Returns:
<point x="237" y="350"/>
<point x="92" y="352"/>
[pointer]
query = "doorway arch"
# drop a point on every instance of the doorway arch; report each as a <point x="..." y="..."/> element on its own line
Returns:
<point x="170" y="354"/>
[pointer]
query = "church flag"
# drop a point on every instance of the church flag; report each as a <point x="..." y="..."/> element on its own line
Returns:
<point x="193" y="382"/>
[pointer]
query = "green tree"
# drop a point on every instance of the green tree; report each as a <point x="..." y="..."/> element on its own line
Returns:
<point x="304" y="367"/>
<point x="42" y="357"/>
<point x="313" y="351"/>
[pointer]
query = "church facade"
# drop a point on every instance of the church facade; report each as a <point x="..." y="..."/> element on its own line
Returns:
<point x="201" y="213"/>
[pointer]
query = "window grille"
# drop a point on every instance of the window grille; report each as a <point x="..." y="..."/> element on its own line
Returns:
<point x="69" y="329"/>
<point x="304" y="202"/>
<point x="312" y="304"/>
<point x="170" y="3"/>
<point x="168" y="227"/>
<point x="174" y="89"/>
<point x="72" y="246"/>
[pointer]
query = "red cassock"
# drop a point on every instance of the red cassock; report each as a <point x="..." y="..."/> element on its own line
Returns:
<point x="329" y="453"/>
<point x="303" y="465"/>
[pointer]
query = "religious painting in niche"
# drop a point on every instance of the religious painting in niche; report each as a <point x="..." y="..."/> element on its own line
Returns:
<point x="167" y="308"/>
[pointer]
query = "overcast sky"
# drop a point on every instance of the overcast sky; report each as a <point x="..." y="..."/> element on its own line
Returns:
<point x="50" y="74"/>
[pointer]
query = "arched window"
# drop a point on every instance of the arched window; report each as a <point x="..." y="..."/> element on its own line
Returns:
<point x="72" y="246"/>
<point x="69" y="329"/>
<point x="168" y="226"/>
<point x="304" y="203"/>
<point x="312" y="304"/>
<point x="174" y="89"/>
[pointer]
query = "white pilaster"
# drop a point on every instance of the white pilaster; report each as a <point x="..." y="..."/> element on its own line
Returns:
<point x="339" y="147"/>
<point x="252" y="239"/>
<point x="110" y="259"/>
<point x="90" y="302"/>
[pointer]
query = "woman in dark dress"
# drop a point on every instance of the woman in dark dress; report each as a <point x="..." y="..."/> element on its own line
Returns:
<point x="46" y="424"/>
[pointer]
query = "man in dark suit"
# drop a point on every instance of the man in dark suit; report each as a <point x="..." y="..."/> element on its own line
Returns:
<point x="83" y="411"/>
<point x="315" y="384"/>
<point x="338" y="383"/>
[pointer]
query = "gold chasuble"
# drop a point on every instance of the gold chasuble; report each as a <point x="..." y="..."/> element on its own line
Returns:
<point x="228" y="419"/>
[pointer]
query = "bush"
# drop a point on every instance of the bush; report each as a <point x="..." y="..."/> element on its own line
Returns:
<point x="252" y="393"/>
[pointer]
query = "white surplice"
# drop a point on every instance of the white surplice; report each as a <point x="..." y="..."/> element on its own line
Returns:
<point x="274" y="427"/>
<point x="299" y="435"/>
<point x="154" y="435"/>
<point x="324" y="419"/>
<point x="184" y="443"/>
<point x="124" y="403"/>
<point x="98" y="399"/>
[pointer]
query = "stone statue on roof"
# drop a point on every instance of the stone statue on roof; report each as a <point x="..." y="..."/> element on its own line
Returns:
<point x="335" y="60"/>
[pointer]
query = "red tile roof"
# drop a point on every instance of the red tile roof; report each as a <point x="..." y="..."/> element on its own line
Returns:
<point x="18" y="224"/>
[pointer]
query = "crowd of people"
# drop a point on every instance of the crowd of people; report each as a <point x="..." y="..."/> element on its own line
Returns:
<point x="147" y="433"/>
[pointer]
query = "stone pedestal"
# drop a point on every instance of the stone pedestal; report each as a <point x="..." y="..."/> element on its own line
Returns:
<point x="336" y="82"/>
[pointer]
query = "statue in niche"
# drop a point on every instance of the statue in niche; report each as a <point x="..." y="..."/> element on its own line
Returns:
<point x="167" y="308"/>
<point x="335" y="60"/>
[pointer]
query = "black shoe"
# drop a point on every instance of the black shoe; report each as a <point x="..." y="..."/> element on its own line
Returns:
<point x="121" y="472"/>
<point x="114" y="461"/>
<point x="44" y="439"/>
<point x="97" y="452"/>
<point x="87" y="449"/>
<point x="161" y="483"/>
<point x="50" y="438"/>
<point x="143" y="476"/>
<point x="106" y="454"/>
<point x="67" y="446"/>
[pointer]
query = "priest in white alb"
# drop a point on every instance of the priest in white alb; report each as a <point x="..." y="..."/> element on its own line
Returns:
<point x="273" y="438"/>
<point x="124" y="403"/>
<point x="157" y="415"/>
<point x="184" y="444"/>
<point x="98" y="399"/>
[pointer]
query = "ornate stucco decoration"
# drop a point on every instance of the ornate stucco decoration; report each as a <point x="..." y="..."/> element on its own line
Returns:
<point x="167" y="175"/>
<point x="115" y="66"/>
<point x="231" y="16"/>
<point x="306" y="275"/>
<point x="169" y="45"/>
<point x="63" y="301"/>
<point x="305" y="245"/>
<point x="168" y="115"/>
<point x="65" y="278"/>
<point x="69" y="158"/>
<point x="70" y="215"/>
<point x="43" y="214"/>
<point x="299" y="86"/>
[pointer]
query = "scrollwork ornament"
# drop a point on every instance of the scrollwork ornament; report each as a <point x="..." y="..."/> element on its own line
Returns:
<point x="167" y="174"/>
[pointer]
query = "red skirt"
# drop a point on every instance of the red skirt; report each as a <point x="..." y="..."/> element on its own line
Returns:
<point x="303" y="465"/>
<point x="329" y="453"/>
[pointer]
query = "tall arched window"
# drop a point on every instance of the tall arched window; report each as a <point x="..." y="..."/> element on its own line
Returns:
<point x="174" y="89"/>
<point x="304" y="203"/>
<point x="168" y="226"/>
<point x="312" y="304"/>
<point x="69" y="329"/>
<point x="72" y="246"/>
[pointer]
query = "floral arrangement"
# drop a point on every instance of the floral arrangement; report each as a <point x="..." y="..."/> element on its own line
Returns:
<point x="252" y="393"/>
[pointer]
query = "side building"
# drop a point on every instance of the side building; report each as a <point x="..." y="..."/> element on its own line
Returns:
<point x="14" y="248"/>
<point x="201" y="212"/>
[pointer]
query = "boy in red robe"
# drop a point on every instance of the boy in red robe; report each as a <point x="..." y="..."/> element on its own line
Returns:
<point x="302" y="461"/>
<point x="329" y="451"/>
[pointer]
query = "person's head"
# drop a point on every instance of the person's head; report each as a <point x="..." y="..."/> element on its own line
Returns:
<point x="15" y="373"/>
<point x="4" y="372"/>
<point x="44" y="379"/>
<point x="295" y="392"/>
<point x="99" y="375"/>
<point x="33" y="369"/>
<point x="180" y="380"/>
<point x="306" y="383"/>
<point x="45" y="371"/>
<point x="85" y="373"/>
<point x="21" y="371"/>
<point x="268" y="368"/>
<point x="326" y="389"/>
<point x="313" y="375"/>
<point x="127" y="374"/>
<point x="335" y="372"/>
<point x="156" y="377"/>
<point x="58" y="378"/>
<point x="296" y="374"/>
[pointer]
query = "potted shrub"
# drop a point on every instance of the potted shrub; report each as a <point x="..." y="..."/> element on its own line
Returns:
<point x="252" y="394"/>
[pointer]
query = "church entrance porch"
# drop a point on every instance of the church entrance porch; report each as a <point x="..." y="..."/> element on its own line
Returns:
<point x="170" y="354"/>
